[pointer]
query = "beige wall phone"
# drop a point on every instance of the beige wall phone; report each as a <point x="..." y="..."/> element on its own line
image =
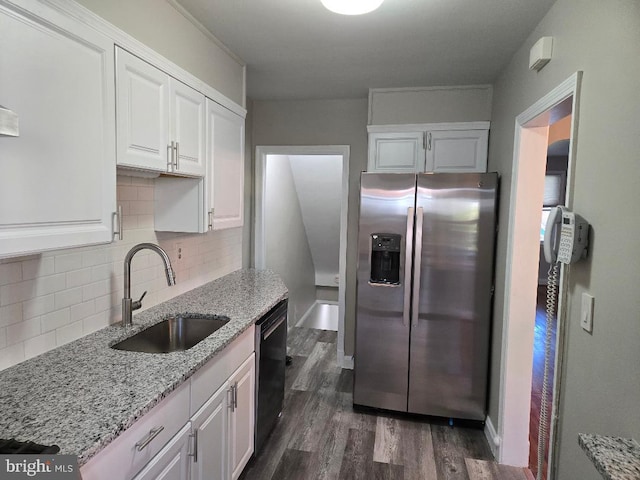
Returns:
<point x="571" y="245"/>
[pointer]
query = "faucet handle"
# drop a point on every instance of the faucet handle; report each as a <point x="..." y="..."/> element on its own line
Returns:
<point x="136" y="304"/>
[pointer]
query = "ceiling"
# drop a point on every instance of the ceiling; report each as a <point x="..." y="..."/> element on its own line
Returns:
<point x="296" y="49"/>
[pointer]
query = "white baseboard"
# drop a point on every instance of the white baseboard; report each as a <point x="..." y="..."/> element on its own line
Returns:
<point x="345" y="361"/>
<point x="492" y="438"/>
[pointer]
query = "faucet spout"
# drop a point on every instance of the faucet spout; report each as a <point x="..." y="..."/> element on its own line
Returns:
<point x="128" y="305"/>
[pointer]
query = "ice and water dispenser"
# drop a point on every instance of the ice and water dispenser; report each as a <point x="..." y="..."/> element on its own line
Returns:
<point x="385" y="258"/>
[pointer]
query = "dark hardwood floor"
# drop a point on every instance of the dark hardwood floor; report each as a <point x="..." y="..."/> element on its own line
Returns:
<point x="536" y="382"/>
<point x="320" y="436"/>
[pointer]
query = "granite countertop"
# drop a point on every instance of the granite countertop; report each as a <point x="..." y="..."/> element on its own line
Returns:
<point x="614" y="457"/>
<point x="82" y="395"/>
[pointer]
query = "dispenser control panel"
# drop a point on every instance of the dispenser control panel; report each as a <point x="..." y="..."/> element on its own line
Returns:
<point x="385" y="258"/>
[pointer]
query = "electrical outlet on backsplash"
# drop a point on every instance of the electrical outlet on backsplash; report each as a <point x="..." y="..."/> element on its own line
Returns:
<point x="53" y="298"/>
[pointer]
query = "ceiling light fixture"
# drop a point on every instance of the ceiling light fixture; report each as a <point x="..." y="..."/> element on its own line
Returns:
<point x="351" y="7"/>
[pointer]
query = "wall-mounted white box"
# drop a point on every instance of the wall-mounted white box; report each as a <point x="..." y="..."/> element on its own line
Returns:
<point x="540" y="53"/>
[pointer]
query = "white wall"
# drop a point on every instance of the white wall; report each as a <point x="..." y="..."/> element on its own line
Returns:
<point x="157" y="24"/>
<point x="323" y="122"/>
<point x="287" y="248"/>
<point x="318" y="182"/>
<point x="50" y="299"/>
<point x="601" y="387"/>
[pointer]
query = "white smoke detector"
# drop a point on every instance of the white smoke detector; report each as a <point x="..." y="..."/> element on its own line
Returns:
<point x="540" y="53"/>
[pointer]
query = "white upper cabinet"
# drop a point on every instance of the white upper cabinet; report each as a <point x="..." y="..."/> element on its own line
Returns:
<point x="58" y="180"/>
<point x="160" y="120"/>
<point x="457" y="151"/>
<point x="396" y="152"/>
<point x="142" y="113"/>
<point x="446" y="147"/>
<point x="225" y="167"/>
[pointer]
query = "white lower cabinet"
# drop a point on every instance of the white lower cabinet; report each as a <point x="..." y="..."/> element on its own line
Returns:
<point x="242" y="418"/>
<point x="172" y="462"/>
<point x="214" y="443"/>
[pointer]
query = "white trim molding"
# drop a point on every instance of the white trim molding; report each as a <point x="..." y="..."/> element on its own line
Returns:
<point x="420" y="127"/>
<point x="517" y="334"/>
<point x="492" y="437"/>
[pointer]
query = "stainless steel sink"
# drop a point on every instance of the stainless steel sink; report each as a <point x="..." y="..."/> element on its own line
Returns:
<point x="173" y="334"/>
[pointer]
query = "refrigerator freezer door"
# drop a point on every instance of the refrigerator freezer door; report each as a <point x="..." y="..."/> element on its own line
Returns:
<point x="452" y="295"/>
<point x="382" y="321"/>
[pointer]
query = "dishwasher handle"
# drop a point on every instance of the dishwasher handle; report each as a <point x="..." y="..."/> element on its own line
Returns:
<point x="272" y="328"/>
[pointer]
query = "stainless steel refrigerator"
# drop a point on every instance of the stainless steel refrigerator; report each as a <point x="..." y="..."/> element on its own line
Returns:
<point x="424" y="292"/>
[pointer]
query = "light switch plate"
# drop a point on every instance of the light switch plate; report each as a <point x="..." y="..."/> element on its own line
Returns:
<point x="586" y="313"/>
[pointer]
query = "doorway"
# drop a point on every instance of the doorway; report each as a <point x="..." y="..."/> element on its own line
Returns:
<point x="309" y="169"/>
<point x="523" y="247"/>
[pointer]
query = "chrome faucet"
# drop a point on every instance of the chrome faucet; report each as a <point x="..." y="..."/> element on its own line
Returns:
<point x="128" y="305"/>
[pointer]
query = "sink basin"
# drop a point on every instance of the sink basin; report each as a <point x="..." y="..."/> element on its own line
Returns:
<point x="173" y="334"/>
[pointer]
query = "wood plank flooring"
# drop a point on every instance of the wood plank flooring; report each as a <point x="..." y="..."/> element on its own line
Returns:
<point x="320" y="436"/>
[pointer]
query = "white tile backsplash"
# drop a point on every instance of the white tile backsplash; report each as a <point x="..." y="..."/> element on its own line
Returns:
<point x="50" y="299"/>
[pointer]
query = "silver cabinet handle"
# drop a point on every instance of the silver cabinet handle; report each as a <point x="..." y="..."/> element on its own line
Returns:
<point x="153" y="433"/>
<point x="211" y="219"/>
<point x="429" y="141"/>
<point x="235" y="396"/>
<point x="177" y="164"/>
<point x="117" y="220"/>
<point x="231" y="403"/>
<point x="170" y="150"/>
<point x="194" y="435"/>
<point x="407" y="265"/>
<point x="416" y="266"/>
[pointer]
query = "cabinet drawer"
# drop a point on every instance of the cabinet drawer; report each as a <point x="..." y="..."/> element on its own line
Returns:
<point x="209" y="378"/>
<point x="122" y="458"/>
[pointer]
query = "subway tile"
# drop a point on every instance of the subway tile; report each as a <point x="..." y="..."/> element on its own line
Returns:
<point x="10" y="273"/>
<point x="94" y="323"/>
<point x="83" y="310"/>
<point x="146" y="221"/>
<point x="10" y="314"/>
<point x="127" y="192"/>
<point x="17" y="292"/>
<point x="101" y="272"/>
<point x="38" y="306"/>
<point x="69" y="333"/>
<point x="21" y="331"/>
<point x="40" y="344"/>
<point x="94" y="290"/>
<point x="67" y="262"/>
<point x="141" y="207"/>
<point x="52" y="321"/>
<point x="129" y="222"/>
<point x="104" y="303"/>
<point x="124" y="180"/>
<point x="69" y="297"/>
<point x="50" y="284"/>
<point x="38" y="267"/>
<point x="95" y="257"/>
<point x="11" y="355"/>
<point x="76" y="278"/>
<point x="145" y="193"/>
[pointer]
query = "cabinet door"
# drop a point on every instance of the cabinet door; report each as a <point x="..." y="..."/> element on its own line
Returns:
<point x="225" y="169"/>
<point x="58" y="180"/>
<point x="172" y="462"/>
<point x="211" y="426"/>
<point x="457" y="151"/>
<point x="401" y="152"/>
<point x="241" y="425"/>
<point x="142" y="113"/>
<point x="187" y="121"/>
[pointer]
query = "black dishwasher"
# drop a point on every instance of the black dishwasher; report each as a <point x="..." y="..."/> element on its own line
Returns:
<point x="271" y="351"/>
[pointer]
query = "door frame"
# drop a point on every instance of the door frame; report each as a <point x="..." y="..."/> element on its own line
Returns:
<point x="262" y="152"/>
<point x="531" y="126"/>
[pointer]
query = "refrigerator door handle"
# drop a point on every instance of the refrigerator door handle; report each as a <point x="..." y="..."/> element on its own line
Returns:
<point x="416" y="268"/>
<point x="407" y="266"/>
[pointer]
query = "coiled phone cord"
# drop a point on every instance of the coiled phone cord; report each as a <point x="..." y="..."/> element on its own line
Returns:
<point x="552" y="285"/>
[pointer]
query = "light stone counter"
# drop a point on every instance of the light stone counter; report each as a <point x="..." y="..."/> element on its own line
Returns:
<point x="614" y="457"/>
<point x="84" y="394"/>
